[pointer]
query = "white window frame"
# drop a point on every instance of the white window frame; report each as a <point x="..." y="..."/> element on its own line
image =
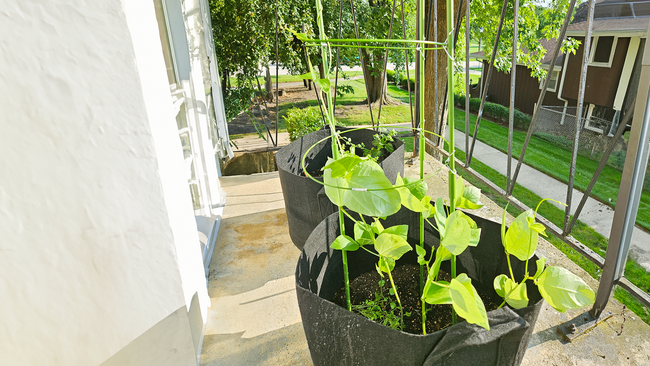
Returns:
<point x="592" y="52"/>
<point x="557" y="80"/>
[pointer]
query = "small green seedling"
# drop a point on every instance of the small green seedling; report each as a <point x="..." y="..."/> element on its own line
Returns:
<point x="382" y="309"/>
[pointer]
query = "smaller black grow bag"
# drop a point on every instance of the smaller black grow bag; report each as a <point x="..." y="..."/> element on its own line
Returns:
<point x="339" y="337"/>
<point x="305" y="201"/>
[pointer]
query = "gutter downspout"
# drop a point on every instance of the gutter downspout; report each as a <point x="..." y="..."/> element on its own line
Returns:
<point x="561" y="87"/>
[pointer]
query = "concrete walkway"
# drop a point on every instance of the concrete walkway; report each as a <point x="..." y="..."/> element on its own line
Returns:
<point x="254" y="317"/>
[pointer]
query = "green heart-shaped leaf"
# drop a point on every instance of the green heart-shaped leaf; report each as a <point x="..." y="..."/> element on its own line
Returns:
<point x="377" y="227"/>
<point x="563" y="290"/>
<point x="470" y="198"/>
<point x="421" y="252"/>
<point x="437" y="293"/>
<point x="363" y="233"/>
<point x="457" y="233"/>
<point x="514" y="293"/>
<point x="371" y="192"/>
<point x="399" y="230"/>
<point x="341" y="167"/>
<point x="466" y="301"/>
<point x="430" y="209"/>
<point x="391" y="246"/>
<point x="325" y="85"/>
<point x="500" y="284"/>
<point x="418" y="187"/>
<point x="440" y="215"/>
<point x="344" y="242"/>
<point x="520" y="239"/>
<point x="335" y="188"/>
<point x="408" y="198"/>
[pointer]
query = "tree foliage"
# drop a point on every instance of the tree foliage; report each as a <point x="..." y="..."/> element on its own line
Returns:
<point x="535" y="22"/>
<point x="244" y="34"/>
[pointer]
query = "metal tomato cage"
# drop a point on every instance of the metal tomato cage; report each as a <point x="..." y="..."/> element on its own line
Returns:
<point x="638" y="124"/>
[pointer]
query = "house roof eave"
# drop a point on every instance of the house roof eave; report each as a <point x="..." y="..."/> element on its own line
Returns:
<point x="618" y="33"/>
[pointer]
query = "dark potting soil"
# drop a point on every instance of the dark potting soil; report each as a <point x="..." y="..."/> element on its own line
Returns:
<point x="407" y="281"/>
<point x="316" y="173"/>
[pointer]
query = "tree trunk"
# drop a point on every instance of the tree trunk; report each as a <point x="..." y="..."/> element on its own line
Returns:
<point x="376" y="82"/>
<point x="224" y="81"/>
<point x="268" y="85"/>
<point x="438" y="126"/>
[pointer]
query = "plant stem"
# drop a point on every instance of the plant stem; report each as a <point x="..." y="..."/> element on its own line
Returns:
<point x="450" y="122"/>
<point x="344" y="257"/>
<point x="421" y="55"/>
<point x="512" y="276"/>
<point x="335" y="144"/>
<point x="401" y="311"/>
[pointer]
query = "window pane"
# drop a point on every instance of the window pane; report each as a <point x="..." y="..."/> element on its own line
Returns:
<point x="164" y="39"/>
<point x="641" y="9"/>
<point x="613" y="11"/>
<point x="603" y="49"/>
<point x="552" y="83"/>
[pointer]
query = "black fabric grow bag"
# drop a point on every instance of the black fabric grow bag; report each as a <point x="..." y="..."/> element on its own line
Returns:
<point x="339" y="337"/>
<point x="305" y="200"/>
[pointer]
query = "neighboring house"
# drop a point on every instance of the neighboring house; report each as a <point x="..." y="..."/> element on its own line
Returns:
<point x="619" y="35"/>
<point x="113" y="133"/>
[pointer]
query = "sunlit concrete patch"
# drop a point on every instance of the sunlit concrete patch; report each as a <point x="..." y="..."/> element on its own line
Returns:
<point x="263" y="310"/>
<point x="249" y="194"/>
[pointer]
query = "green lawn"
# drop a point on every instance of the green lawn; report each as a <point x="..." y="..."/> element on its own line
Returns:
<point x="554" y="161"/>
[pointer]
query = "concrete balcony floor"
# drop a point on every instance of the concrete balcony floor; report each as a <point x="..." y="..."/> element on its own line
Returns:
<point x="254" y="317"/>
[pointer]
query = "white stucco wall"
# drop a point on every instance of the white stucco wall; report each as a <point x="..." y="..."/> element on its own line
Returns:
<point x="98" y="240"/>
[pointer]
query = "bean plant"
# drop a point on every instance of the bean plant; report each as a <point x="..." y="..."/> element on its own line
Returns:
<point x="562" y="289"/>
<point x="358" y="186"/>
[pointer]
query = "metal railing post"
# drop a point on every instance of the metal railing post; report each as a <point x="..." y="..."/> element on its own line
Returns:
<point x="488" y="78"/>
<point x="579" y="119"/>
<point x="513" y="78"/>
<point x="542" y="94"/>
<point x="629" y="194"/>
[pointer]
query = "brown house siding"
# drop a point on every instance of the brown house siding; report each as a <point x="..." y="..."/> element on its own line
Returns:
<point x="527" y="90"/>
<point x="602" y="82"/>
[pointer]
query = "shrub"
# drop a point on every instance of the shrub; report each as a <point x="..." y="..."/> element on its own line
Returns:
<point x="555" y="140"/>
<point x="300" y="122"/>
<point x="494" y="111"/>
<point x="617" y="159"/>
<point x="237" y="100"/>
<point x="390" y="75"/>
